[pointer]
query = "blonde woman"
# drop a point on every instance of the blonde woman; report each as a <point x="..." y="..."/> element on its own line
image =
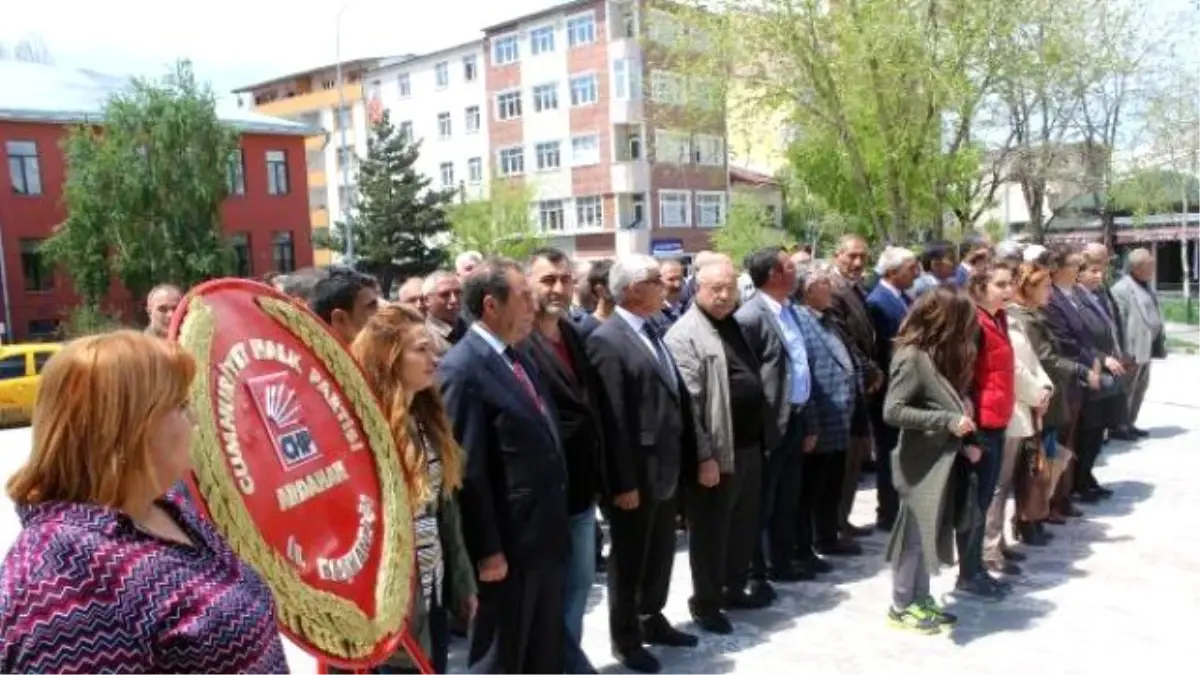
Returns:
<point x="398" y="357"/>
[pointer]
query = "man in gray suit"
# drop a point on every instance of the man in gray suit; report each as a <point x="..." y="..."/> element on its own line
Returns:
<point x="1143" y="327"/>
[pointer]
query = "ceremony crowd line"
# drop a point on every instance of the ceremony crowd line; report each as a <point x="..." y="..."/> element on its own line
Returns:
<point x="529" y="399"/>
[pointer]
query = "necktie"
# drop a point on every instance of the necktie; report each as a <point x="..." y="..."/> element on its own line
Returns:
<point x="664" y="361"/>
<point x="524" y="379"/>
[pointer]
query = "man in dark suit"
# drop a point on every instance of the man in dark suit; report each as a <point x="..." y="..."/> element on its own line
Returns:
<point x="514" y="502"/>
<point x="887" y="304"/>
<point x="557" y="349"/>
<point x="849" y="313"/>
<point x="651" y="444"/>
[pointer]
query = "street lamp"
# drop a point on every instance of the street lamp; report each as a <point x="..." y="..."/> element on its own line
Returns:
<point x="347" y="225"/>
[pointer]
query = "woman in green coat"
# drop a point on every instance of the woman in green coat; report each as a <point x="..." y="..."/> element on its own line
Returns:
<point x="932" y="366"/>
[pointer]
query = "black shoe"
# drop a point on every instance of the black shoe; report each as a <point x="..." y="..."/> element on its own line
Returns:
<point x="1140" y="433"/>
<point x="1002" y="567"/>
<point x="1122" y="435"/>
<point x="656" y="630"/>
<point x="712" y="622"/>
<point x="843" y="548"/>
<point x="884" y="525"/>
<point x="1014" y="556"/>
<point x="1041" y="529"/>
<point x="791" y="574"/>
<point x="1103" y="492"/>
<point x="638" y="659"/>
<point x="980" y="586"/>
<point x="745" y="600"/>
<point x="1030" y="535"/>
<point x="815" y="565"/>
<point x="857" y="531"/>
<point x="1088" y="497"/>
<point x="761" y="592"/>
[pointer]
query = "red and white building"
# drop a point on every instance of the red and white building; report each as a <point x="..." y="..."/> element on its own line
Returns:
<point x="266" y="217"/>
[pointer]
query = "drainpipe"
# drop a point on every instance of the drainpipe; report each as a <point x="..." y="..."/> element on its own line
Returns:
<point x="8" y="325"/>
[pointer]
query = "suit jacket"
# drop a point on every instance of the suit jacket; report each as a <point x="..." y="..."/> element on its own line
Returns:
<point x="887" y="312"/>
<point x="765" y="337"/>
<point x="445" y="335"/>
<point x="849" y="310"/>
<point x="836" y="382"/>
<point x="1141" y="321"/>
<point x="653" y="436"/>
<point x="576" y="399"/>
<point x="514" y="488"/>
<point x="1062" y="315"/>
<point x="699" y="354"/>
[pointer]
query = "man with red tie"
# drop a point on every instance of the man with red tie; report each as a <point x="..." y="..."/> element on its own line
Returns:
<point x="514" y="502"/>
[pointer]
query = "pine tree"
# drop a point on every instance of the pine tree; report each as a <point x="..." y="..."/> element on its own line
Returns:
<point x="399" y="224"/>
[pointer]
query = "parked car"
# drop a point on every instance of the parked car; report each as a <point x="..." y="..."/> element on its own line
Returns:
<point x="20" y="372"/>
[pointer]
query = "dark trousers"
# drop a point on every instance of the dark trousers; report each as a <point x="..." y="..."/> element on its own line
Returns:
<point x="817" y="521"/>
<point x="886" y="438"/>
<point x="639" y="567"/>
<point x="519" y="627"/>
<point x="779" y="503"/>
<point x="722" y="527"/>
<point x="1088" y="442"/>
<point x="985" y="473"/>
<point x="438" y="621"/>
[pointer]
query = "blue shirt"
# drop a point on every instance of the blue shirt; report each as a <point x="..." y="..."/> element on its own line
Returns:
<point x="793" y="342"/>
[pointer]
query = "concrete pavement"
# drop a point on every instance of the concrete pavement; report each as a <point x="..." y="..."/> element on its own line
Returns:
<point x="1117" y="590"/>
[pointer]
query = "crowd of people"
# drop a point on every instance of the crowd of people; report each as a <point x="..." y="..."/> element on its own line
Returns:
<point x="530" y="400"/>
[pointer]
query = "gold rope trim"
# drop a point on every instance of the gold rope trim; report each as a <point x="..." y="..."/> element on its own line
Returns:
<point x="333" y="624"/>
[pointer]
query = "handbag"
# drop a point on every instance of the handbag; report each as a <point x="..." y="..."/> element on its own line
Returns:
<point x="1033" y="484"/>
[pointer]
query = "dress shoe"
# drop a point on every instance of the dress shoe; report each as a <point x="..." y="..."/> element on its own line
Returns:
<point x="1046" y="534"/>
<point x="1028" y="534"/>
<point x="1002" y="567"/>
<point x="980" y="586"/>
<point x="1056" y="518"/>
<point x="712" y="622"/>
<point x="1014" y="556"/>
<point x="1103" y="492"/>
<point x="745" y="600"/>
<point x="1122" y="435"/>
<point x="762" y="592"/>
<point x="1140" y="433"/>
<point x="857" y="530"/>
<point x="815" y="565"/>
<point x="791" y="574"/>
<point x="1072" y="511"/>
<point x="638" y="659"/>
<point x="847" y="547"/>
<point x="1088" y="497"/>
<point x="656" y="630"/>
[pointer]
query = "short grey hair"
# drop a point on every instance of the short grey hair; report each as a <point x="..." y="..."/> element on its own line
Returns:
<point x="431" y="282"/>
<point x="815" y="272"/>
<point x="1011" y="250"/>
<point x="627" y="271"/>
<point x="1140" y="255"/>
<point x="717" y="260"/>
<point x="893" y="258"/>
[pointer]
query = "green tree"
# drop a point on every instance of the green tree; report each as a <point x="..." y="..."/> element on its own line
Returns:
<point x="747" y="228"/>
<point x="503" y="224"/>
<point x="400" y="225"/>
<point x="143" y="193"/>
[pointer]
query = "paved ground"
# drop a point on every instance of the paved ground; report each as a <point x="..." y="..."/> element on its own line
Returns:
<point x="1118" y="590"/>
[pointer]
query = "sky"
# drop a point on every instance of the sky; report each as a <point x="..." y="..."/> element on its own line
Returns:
<point x="239" y="42"/>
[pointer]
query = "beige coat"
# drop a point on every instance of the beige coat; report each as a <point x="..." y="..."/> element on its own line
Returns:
<point x="700" y="356"/>
<point x="1031" y="381"/>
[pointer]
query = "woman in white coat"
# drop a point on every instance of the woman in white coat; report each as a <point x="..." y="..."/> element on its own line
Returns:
<point x="1033" y="393"/>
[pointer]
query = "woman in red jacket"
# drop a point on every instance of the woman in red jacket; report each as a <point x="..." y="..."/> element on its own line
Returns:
<point x="993" y="394"/>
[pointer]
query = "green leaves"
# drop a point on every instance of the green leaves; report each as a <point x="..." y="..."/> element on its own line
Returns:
<point x="143" y="193"/>
<point x="747" y="228"/>
<point x="503" y="224"/>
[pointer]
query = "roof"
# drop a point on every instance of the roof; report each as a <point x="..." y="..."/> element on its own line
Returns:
<point x="35" y="92"/>
<point x="364" y="64"/>
<point x="738" y="174"/>
<point x="392" y="61"/>
<point x="555" y="7"/>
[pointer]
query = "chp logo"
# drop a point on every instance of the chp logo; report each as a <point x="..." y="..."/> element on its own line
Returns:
<point x="279" y="407"/>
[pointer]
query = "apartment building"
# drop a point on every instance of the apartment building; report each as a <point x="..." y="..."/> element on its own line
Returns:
<point x="439" y="100"/>
<point x="312" y="97"/>
<point x="583" y="106"/>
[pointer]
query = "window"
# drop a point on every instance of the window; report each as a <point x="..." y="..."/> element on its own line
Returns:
<point x="548" y="155"/>
<point x="277" y="172"/>
<point x="472" y="119"/>
<point x="441" y="74"/>
<point x="283" y="252"/>
<point x="512" y="161"/>
<point x="705" y="93"/>
<point x="581" y="30"/>
<point x="627" y="79"/>
<point x="550" y="215"/>
<point x="545" y="97"/>
<point x="240" y="242"/>
<point x="346" y="157"/>
<point x="24" y="167"/>
<point x="504" y="50"/>
<point x="444" y="125"/>
<point x="667" y="88"/>
<point x="585" y="150"/>
<point x="446" y="170"/>
<point x="639" y="208"/>
<point x="236" y="173"/>
<point x="674" y="208"/>
<point x="583" y="90"/>
<point x="470" y="68"/>
<point x="404" y="86"/>
<point x="35" y="268"/>
<point x="508" y="106"/>
<point x="40" y="358"/>
<point x="672" y="148"/>
<point x="709" y="150"/>
<point x="344" y="118"/>
<point x="541" y="40"/>
<point x="474" y="170"/>
<point x="12" y="367"/>
<point x="635" y="144"/>
<point x="662" y="27"/>
<point x="406" y="132"/>
<point x="710" y="208"/>
<point x="589" y="213"/>
<point x="627" y="14"/>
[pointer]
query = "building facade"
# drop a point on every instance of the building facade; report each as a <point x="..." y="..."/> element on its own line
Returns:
<point x="312" y="98"/>
<point x="265" y="217"/>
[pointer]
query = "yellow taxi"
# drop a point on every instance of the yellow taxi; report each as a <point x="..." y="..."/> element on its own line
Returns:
<point x="20" y="371"/>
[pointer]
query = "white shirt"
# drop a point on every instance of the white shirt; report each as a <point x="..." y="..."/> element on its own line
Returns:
<point x="490" y="338"/>
<point x="638" y="324"/>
